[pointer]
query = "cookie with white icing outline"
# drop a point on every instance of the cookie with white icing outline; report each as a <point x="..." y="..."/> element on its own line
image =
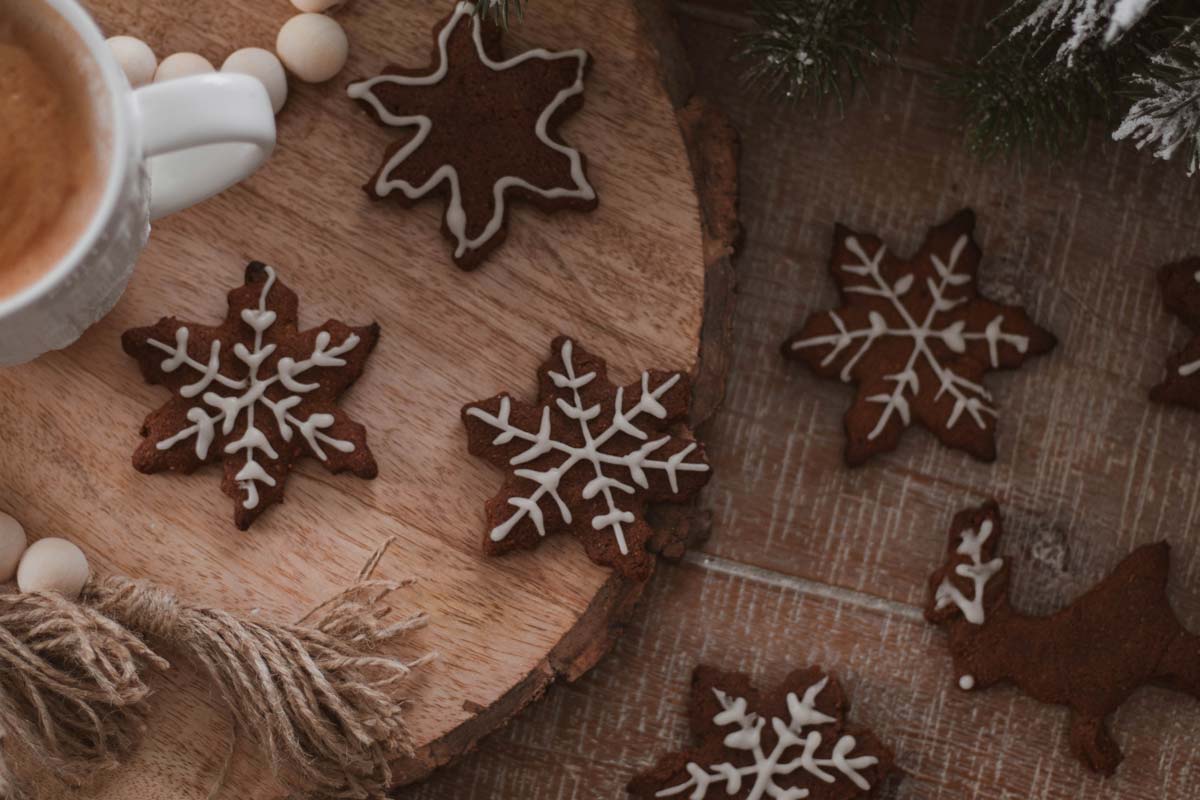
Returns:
<point x="1091" y="656"/>
<point x="916" y="338"/>
<point x="1180" y="284"/>
<point x="482" y="131"/>
<point x="790" y="743"/>
<point x="587" y="458"/>
<point x="255" y="393"/>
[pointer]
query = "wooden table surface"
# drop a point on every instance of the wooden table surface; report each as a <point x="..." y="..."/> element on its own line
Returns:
<point x="810" y="562"/>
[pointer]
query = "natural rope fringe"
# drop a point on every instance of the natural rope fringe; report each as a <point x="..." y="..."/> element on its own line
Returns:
<point x="313" y="695"/>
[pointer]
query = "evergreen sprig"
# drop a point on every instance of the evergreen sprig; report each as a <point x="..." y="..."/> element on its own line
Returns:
<point x="1166" y="113"/>
<point x="821" y="47"/>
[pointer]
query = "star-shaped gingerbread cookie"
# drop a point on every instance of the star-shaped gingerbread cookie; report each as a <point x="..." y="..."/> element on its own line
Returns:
<point x="917" y="338"/>
<point x="587" y="458"/>
<point x="255" y="392"/>
<point x="484" y="131"/>
<point x="788" y="744"/>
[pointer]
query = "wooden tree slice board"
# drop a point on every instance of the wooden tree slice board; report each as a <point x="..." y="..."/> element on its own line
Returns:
<point x="627" y="280"/>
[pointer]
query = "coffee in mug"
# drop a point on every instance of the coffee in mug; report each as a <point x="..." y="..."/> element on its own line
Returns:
<point x="50" y="172"/>
<point x="86" y="162"/>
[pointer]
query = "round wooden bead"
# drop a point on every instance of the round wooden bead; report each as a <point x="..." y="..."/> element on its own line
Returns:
<point x="261" y="64"/>
<point x="12" y="545"/>
<point x="316" y="6"/>
<point x="313" y="47"/>
<point x="137" y="60"/>
<point x="53" y="565"/>
<point x="181" y="65"/>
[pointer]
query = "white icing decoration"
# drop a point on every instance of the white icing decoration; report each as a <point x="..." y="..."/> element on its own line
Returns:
<point x="253" y="393"/>
<point x="966" y="683"/>
<point x="1187" y="370"/>
<point x="766" y="767"/>
<point x="542" y="442"/>
<point x="456" y="219"/>
<point x="978" y="571"/>
<point x="969" y="397"/>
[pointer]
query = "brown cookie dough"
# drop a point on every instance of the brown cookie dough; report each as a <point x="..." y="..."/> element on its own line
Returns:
<point x="1090" y="656"/>
<point x="587" y="458"/>
<point x="791" y="743"/>
<point x="254" y="392"/>
<point x="916" y="338"/>
<point x="482" y="131"/>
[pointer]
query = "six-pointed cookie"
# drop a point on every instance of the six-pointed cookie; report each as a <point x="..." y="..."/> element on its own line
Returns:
<point x="1180" y="284"/>
<point x="788" y="744"/>
<point x="255" y="393"/>
<point x="481" y="131"/>
<point x="587" y="458"/>
<point x="916" y="337"/>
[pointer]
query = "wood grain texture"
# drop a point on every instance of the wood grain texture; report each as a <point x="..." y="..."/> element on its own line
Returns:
<point x="811" y="562"/>
<point x="505" y="628"/>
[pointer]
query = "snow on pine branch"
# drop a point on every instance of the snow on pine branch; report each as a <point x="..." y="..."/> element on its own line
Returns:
<point x="1167" y="117"/>
<point x="760" y="776"/>
<point x="1084" y="21"/>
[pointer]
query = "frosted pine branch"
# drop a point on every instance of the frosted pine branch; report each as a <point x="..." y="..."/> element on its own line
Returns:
<point x="1167" y="117"/>
<point x="1082" y="22"/>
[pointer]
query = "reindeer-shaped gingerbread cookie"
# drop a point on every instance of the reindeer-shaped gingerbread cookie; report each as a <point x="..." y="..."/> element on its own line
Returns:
<point x="1090" y="656"/>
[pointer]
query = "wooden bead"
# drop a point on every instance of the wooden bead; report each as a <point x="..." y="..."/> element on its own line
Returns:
<point x="261" y="64"/>
<point x="313" y="47"/>
<point x="181" y="65"/>
<point x="137" y="60"/>
<point x="53" y="565"/>
<point x="316" y="6"/>
<point x="12" y="545"/>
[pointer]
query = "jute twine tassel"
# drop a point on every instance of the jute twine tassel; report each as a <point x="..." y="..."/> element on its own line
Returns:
<point x="314" y="695"/>
<point x="71" y="681"/>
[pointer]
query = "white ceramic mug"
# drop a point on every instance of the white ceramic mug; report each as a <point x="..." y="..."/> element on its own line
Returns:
<point x="167" y="146"/>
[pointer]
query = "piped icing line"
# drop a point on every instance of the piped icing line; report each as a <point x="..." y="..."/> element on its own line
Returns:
<point x="978" y="572"/>
<point x="970" y="398"/>
<point x="253" y="393"/>
<point x="455" y="218"/>
<point x="760" y="776"/>
<point x="636" y="462"/>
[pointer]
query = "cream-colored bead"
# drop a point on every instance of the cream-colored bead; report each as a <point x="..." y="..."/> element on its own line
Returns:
<point x="137" y="60"/>
<point x="261" y="64"/>
<point x="53" y="565"/>
<point x="313" y="47"/>
<point x="316" y="6"/>
<point x="12" y="545"/>
<point x="181" y="65"/>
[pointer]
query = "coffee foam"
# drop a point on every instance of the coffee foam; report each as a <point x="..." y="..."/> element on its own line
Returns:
<point x="53" y="141"/>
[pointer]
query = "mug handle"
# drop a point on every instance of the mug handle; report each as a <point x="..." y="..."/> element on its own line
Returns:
<point x="201" y="135"/>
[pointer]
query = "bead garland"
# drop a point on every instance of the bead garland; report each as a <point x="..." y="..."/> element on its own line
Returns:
<point x="47" y="565"/>
<point x="312" y="46"/>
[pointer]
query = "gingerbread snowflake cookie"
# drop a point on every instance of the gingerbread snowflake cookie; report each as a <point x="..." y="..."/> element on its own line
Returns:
<point x="916" y="338"/>
<point x="1091" y="656"/>
<point x="792" y="743"/>
<point x="587" y="458"/>
<point x="255" y="393"/>
<point x="1180" y="284"/>
<point x="481" y="131"/>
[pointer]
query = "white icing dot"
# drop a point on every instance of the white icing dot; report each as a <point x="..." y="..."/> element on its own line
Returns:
<point x="316" y="6"/>
<point x="966" y="683"/>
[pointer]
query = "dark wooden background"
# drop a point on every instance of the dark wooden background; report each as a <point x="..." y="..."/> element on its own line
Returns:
<point x="810" y="562"/>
